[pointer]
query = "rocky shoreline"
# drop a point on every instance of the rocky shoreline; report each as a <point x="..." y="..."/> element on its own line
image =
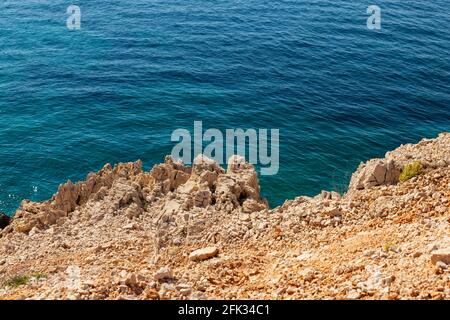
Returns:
<point x="204" y="232"/>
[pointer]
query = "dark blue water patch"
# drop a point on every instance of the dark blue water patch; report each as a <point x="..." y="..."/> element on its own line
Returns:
<point x="114" y="91"/>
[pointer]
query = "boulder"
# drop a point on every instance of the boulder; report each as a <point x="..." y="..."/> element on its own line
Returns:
<point x="441" y="255"/>
<point x="373" y="173"/>
<point x="203" y="254"/>
<point x="251" y="205"/>
<point x="164" y="273"/>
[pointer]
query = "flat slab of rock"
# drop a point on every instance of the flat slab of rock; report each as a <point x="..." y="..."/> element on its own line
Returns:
<point x="203" y="254"/>
<point x="441" y="255"/>
<point x="163" y="274"/>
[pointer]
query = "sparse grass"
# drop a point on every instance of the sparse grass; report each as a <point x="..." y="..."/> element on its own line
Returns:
<point x="390" y="246"/>
<point x="21" y="280"/>
<point x="411" y="170"/>
<point x="17" y="281"/>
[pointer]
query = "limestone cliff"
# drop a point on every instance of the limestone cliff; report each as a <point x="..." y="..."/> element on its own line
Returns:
<point x="205" y="232"/>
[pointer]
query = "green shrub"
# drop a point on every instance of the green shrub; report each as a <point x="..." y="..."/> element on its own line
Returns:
<point x="17" y="281"/>
<point x="411" y="170"/>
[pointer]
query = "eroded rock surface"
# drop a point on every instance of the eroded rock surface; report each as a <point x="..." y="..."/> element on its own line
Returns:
<point x="431" y="153"/>
<point x="129" y="234"/>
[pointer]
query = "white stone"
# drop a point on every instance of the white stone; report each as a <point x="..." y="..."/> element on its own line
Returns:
<point x="353" y="295"/>
<point x="130" y="226"/>
<point x="163" y="274"/>
<point x="203" y="254"/>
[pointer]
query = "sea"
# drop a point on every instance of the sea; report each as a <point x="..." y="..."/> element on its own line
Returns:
<point x="116" y="88"/>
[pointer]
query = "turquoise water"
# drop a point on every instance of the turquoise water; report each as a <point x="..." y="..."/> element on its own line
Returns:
<point x="114" y="91"/>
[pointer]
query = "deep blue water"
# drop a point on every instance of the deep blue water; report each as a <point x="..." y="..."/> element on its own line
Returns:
<point x="114" y="91"/>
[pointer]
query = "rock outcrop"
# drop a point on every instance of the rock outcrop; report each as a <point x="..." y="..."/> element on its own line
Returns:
<point x="375" y="172"/>
<point x="430" y="153"/>
<point x="180" y="232"/>
<point x="176" y="190"/>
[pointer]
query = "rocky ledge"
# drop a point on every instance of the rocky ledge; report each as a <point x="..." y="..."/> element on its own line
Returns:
<point x="201" y="232"/>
